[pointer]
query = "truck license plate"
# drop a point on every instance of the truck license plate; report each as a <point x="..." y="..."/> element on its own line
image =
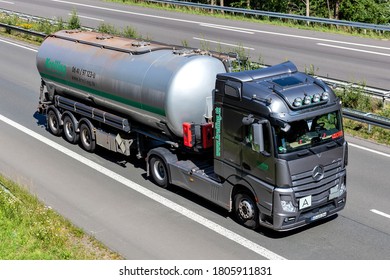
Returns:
<point x="305" y="202"/>
<point x="318" y="216"/>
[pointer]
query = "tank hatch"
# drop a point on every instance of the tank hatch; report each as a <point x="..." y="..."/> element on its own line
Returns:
<point x="132" y="46"/>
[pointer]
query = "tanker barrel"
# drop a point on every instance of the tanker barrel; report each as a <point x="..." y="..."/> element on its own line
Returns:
<point x="149" y="84"/>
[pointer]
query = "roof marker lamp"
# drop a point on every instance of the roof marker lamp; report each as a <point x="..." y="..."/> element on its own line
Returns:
<point x="307" y="100"/>
<point x="325" y="96"/>
<point x="316" y="98"/>
<point x="297" y="102"/>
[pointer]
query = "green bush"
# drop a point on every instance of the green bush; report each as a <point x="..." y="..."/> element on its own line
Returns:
<point x="74" y="21"/>
<point x="108" y="29"/>
<point x="129" y="32"/>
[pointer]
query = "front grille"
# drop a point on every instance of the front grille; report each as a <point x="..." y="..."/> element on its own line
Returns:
<point x="304" y="184"/>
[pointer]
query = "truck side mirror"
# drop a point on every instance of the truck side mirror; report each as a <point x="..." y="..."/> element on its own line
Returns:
<point x="258" y="136"/>
<point x="248" y="120"/>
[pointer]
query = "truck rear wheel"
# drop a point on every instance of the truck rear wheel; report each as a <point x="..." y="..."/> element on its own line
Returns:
<point x="159" y="171"/>
<point x="70" y="130"/>
<point x="53" y="123"/>
<point x="245" y="210"/>
<point x="86" y="138"/>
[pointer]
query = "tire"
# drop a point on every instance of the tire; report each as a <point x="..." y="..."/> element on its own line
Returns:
<point x="246" y="211"/>
<point x="159" y="171"/>
<point x="69" y="128"/>
<point x="53" y="123"/>
<point x="86" y="138"/>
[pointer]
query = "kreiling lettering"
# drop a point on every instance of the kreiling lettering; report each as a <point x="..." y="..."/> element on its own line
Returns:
<point x="55" y="66"/>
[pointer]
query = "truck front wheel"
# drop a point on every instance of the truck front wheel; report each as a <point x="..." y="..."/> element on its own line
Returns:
<point x="245" y="210"/>
<point x="159" y="172"/>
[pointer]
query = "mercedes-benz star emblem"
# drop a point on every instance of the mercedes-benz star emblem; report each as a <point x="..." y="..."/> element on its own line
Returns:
<point x="318" y="173"/>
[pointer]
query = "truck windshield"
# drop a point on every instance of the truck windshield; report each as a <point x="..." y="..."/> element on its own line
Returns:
<point x="308" y="133"/>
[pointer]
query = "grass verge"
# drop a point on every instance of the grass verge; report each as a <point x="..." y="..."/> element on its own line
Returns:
<point x="29" y="230"/>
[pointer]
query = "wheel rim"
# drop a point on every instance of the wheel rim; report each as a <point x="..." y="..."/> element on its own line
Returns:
<point x="86" y="137"/>
<point x="69" y="129"/>
<point x="246" y="209"/>
<point x="54" y="125"/>
<point x="159" y="170"/>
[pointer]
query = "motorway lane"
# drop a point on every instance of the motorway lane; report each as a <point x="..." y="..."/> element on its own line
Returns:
<point x="140" y="228"/>
<point x="337" y="56"/>
<point x="369" y="185"/>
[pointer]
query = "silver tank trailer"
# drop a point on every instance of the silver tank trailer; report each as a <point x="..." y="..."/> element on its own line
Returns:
<point x="149" y="82"/>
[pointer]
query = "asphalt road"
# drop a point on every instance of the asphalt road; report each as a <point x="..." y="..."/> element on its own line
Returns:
<point x="343" y="57"/>
<point x="110" y="196"/>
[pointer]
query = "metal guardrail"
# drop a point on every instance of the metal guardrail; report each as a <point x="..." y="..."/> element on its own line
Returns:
<point x="368" y="118"/>
<point x="375" y="92"/>
<point x="356" y="115"/>
<point x="336" y="22"/>
<point x="23" y="30"/>
<point x="27" y="16"/>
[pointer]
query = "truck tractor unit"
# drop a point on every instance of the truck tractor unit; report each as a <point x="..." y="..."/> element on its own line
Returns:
<point x="267" y="145"/>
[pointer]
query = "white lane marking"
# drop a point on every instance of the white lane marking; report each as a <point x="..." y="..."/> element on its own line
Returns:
<point x="221" y="43"/>
<point x="17" y="45"/>
<point x="369" y="150"/>
<point x="231" y="27"/>
<point x="124" y="12"/>
<point x="152" y="195"/>
<point x="7" y="2"/>
<point x="92" y="18"/>
<point x="380" y="213"/>
<point x="352" y="49"/>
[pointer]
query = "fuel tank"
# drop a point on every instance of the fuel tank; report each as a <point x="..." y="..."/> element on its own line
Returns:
<point x="151" y="83"/>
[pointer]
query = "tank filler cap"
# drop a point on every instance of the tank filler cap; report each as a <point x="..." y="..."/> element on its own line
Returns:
<point x="140" y="44"/>
<point x="104" y="37"/>
<point x="183" y="52"/>
<point x="72" y="31"/>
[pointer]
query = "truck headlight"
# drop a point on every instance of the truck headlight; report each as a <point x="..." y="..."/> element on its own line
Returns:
<point x="288" y="206"/>
<point x="337" y="190"/>
<point x="343" y="188"/>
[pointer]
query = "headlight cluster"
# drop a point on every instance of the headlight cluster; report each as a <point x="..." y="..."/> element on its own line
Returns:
<point x="288" y="206"/>
<point x="337" y="190"/>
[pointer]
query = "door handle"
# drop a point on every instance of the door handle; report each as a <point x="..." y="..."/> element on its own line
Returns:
<point x="246" y="166"/>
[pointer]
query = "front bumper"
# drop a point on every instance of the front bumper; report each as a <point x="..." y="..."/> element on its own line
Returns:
<point x="284" y="221"/>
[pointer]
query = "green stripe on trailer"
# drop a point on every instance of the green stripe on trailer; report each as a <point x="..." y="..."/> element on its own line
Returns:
<point x="106" y="95"/>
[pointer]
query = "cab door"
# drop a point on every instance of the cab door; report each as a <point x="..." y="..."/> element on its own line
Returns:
<point x="257" y="151"/>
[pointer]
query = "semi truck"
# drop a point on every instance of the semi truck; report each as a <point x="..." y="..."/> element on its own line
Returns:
<point x="267" y="145"/>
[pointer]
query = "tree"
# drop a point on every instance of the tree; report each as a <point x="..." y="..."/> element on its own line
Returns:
<point x="368" y="11"/>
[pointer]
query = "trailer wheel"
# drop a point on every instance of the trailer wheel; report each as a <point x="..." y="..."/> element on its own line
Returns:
<point x="86" y="138"/>
<point x="53" y="123"/>
<point x="159" y="171"/>
<point x="70" y="130"/>
<point x="245" y="210"/>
